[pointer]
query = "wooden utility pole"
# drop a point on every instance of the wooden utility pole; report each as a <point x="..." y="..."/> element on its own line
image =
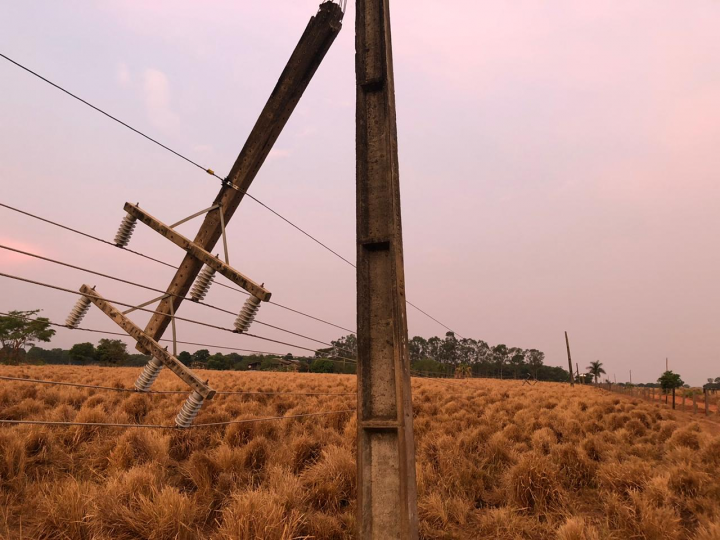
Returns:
<point x="309" y="52"/>
<point x="572" y="379"/>
<point x="577" y="374"/>
<point x="631" y="376"/>
<point x="387" y="490"/>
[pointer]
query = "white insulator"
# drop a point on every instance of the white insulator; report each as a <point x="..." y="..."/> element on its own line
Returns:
<point x="202" y="283"/>
<point x="149" y="373"/>
<point x="78" y="312"/>
<point x="189" y="411"/>
<point x="247" y="314"/>
<point x="125" y="230"/>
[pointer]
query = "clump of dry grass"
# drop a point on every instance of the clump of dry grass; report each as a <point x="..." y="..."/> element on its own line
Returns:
<point x="494" y="459"/>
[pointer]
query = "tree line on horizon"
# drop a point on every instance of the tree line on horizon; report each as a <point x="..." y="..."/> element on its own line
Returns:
<point x="441" y="357"/>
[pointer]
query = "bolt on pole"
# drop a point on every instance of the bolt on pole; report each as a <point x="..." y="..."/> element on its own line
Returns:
<point x="387" y="490"/>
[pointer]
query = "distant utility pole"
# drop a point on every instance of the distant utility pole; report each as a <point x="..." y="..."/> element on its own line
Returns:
<point x="577" y="373"/>
<point x="387" y="489"/>
<point x="667" y="368"/>
<point x="567" y="343"/>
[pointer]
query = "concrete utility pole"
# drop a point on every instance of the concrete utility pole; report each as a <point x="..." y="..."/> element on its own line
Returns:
<point x="572" y="379"/>
<point x="309" y="52"/>
<point x="387" y="490"/>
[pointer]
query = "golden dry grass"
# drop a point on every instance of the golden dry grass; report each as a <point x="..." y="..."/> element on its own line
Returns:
<point x="495" y="460"/>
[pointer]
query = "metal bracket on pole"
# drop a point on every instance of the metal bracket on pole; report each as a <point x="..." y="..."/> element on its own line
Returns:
<point x="135" y="308"/>
<point x="222" y="226"/>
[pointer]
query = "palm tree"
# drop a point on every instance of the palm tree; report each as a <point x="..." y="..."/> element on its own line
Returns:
<point x="595" y="369"/>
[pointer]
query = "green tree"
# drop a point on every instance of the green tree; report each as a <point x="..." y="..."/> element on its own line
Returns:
<point x="500" y="356"/>
<point x="322" y="366"/>
<point x="185" y="358"/>
<point x="82" y="353"/>
<point x="112" y="351"/>
<point x="219" y="362"/>
<point x="345" y="346"/>
<point x="535" y="360"/>
<point x="19" y="329"/>
<point x="595" y="369"/>
<point x="670" y="380"/>
<point x="517" y="360"/>
<point x="201" y="356"/>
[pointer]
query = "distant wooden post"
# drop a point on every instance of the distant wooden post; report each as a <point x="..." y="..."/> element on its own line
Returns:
<point x="570" y="371"/>
<point x="673" y="397"/>
<point x="707" y="405"/>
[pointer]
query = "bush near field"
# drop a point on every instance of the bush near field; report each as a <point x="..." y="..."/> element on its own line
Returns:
<point x="495" y="459"/>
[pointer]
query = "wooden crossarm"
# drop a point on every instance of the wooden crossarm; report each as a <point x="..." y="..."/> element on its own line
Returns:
<point x="148" y="344"/>
<point x="198" y="252"/>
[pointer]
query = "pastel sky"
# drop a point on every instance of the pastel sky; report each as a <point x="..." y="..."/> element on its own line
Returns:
<point x="559" y="164"/>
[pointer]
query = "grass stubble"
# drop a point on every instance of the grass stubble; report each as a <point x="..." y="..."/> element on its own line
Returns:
<point x="495" y="459"/>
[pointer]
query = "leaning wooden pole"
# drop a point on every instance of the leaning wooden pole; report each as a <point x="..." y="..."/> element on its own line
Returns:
<point x="304" y="61"/>
<point x="387" y="491"/>
<point x="570" y="369"/>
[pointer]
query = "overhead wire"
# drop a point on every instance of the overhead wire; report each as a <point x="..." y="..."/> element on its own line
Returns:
<point x="135" y="284"/>
<point x="76" y="231"/>
<point x="208" y="170"/>
<point x="184" y="319"/>
<point x="165" y="392"/>
<point x="165" y="426"/>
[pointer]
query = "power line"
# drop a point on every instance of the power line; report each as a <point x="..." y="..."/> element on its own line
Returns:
<point x="164" y="392"/>
<point x="209" y="346"/>
<point x="208" y="170"/>
<point x="224" y="181"/>
<point x="162" y="426"/>
<point x="121" y="280"/>
<point x="76" y="231"/>
<point x="192" y="321"/>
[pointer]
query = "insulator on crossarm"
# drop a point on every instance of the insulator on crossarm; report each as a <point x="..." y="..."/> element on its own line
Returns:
<point x="149" y="373"/>
<point x="127" y="226"/>
<point x="78" y="312"/>
<point x="247" y="314"/>
<point x="202" y="284"/>
<point x="189" y="411"/>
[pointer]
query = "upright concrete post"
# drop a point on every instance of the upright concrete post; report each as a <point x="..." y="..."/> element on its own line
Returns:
<point x="387" y="490"/>
<point x="567" y="343"/>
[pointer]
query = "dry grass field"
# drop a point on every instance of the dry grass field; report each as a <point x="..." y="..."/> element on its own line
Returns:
<point x="495" y="460"/>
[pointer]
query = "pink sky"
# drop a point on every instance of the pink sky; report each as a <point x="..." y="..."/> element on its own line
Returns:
<point x="559" y="166"/>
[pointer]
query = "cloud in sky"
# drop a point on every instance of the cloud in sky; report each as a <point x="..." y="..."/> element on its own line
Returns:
<point x="156" y="94"/>
<point x="122" y="74"/>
